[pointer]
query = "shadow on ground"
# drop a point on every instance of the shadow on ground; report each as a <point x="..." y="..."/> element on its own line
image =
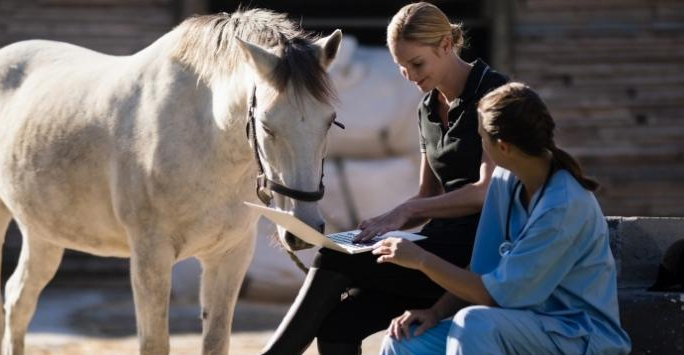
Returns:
<point x="108" y="311"/>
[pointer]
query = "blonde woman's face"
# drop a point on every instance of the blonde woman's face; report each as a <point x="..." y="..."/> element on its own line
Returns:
<point x="418" y="63"/>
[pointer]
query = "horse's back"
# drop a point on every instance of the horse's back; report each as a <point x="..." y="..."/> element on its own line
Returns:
<point x="46" y="60"/>
<point x="47" y="51"/>
<point x="41" y="72"/>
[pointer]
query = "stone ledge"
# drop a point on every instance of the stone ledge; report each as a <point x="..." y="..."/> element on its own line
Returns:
<point x="653" y="320"/>
<point x="638" y="244"/>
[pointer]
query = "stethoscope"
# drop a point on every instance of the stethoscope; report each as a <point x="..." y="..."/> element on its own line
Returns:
<point x="507" y="245"/>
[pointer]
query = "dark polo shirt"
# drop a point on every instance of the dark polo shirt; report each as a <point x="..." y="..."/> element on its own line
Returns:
<point x="455" y="152"/>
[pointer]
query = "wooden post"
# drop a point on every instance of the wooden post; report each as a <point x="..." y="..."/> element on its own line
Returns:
<point x="181" y="9"/>
<point x="500" y="13"/>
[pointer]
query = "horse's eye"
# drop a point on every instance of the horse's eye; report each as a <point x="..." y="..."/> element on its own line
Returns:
<point x="268" y="131"/>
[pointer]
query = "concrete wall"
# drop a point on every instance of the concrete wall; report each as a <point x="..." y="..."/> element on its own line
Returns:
<point x="654" y="320"/>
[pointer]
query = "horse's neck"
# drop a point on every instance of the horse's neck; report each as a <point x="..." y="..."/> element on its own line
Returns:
<point x="230" y="106"/>
<point x="220" y="105"/>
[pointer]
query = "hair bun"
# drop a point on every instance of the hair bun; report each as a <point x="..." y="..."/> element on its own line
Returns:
<point x="457" y="35"/>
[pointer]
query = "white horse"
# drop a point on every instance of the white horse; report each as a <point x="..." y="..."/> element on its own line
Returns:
<point x="146" y="156"/>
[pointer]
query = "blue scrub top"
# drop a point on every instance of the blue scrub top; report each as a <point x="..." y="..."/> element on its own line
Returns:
<point x="560" y="265"/>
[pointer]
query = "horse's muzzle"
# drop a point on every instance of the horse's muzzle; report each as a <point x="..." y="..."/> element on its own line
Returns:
<point x="297" y="244"/>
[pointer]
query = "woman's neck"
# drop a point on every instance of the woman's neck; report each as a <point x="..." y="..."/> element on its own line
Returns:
<point x="532" y="172"/>
<point x="454" y="79"/>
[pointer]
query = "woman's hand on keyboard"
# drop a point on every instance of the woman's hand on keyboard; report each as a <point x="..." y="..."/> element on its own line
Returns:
<point x="390" y="221"/>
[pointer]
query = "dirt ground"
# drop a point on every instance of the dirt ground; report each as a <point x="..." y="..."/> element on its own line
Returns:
<point x="241" y="344"/>
<point x="100" y="320"/>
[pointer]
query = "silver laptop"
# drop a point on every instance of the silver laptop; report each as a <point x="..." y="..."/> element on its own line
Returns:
<point x="341" y="242"/>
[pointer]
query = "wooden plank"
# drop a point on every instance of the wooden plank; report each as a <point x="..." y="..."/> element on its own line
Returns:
<point x="640" y="207"/>
<point x="92" y="15"/>
<point x="561" y="5"/>
<point x="609" y="4"/>
<point x="628" y="134"/>
<point x="100" y="3"/>
<point x="616" y="51"/>
<point x="600" y="69"/>
<point x="635" y="93"/>
<point x="600" y="20"/>
<point x="637" y="42"/>
<point x="602" y="151"/>
<point x="603" y="29"/>
<point x="642" y="197"/>
<point x="587" y="12"/>
<point x="627" y="154"/>
<point x="632" y="83"/>
<point x="589" y="140"/>
<point x="647" y="190"/>
<point x="643" y="171"/>
<point x="602" y="99"/>
<point x="616" y="117"/>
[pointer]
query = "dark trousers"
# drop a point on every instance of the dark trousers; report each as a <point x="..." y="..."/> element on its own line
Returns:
<point x="381" y="292"/>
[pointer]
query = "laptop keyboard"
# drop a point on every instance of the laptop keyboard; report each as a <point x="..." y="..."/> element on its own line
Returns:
<point x="346" y="238"/>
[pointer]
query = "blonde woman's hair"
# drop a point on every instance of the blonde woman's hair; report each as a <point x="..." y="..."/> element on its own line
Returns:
<point x="426" y="24"/>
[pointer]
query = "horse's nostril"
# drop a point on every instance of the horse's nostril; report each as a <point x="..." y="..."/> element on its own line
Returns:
<point x="290" y="239"/>
<point x="321" y="227"/>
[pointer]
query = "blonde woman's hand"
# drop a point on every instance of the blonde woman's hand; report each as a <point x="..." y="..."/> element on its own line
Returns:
<point x="390" y="221"/>
<point x="399" y="251"/>
<point x="399" y="327"/>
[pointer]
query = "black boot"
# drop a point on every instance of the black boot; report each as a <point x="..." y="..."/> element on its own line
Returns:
<point x="319" y="294"/>
<point x="325" y="348"/>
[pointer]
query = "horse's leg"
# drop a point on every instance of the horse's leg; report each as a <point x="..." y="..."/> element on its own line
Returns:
<point x="37" y="264"/>
<point x="5" y="218"/>
<point x="221" y="280"/>
<point x="151" y="261"/>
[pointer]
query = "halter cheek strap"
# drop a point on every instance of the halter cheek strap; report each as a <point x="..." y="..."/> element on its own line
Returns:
<point x="265" y="186"/>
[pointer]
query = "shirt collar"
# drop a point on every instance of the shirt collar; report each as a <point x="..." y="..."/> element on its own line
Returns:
<point x="469" y="90"/>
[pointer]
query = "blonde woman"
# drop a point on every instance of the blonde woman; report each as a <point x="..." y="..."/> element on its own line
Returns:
<point x="542" y="278"/>
<point x="454" y="176"/>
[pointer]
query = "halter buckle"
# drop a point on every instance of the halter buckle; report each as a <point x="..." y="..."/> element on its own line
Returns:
<point x="264" y="194"/>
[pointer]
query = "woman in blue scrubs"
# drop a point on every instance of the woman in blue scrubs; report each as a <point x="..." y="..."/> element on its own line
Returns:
<point x="542" y="278"/>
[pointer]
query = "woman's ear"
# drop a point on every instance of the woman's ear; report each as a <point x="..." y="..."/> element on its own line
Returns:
<point x="446" y="44"/>
<point x="502" y="146"/>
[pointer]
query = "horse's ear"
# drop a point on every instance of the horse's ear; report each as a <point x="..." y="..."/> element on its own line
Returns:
<point x="263" y="61"/>
<point x="327" y="48"/>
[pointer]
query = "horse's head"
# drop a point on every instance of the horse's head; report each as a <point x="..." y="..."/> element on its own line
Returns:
<point x="290" y="115"/>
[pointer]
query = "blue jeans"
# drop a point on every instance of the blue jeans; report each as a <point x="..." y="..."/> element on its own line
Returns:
<point x="487" y="330"/>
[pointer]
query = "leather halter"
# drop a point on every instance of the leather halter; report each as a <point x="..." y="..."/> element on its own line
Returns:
<point x="265" y="186"/>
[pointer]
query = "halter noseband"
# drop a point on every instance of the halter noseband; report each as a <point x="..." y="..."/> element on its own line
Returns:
<point x="265" y="186"/>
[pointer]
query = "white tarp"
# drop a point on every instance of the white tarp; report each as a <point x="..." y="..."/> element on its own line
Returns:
<point x="378" y="106"/>
<point x="374" y="186"/>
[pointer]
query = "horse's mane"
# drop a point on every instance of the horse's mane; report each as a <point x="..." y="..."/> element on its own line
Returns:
<point x="207" y="44"/>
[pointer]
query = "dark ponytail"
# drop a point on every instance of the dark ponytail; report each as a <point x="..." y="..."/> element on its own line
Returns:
<point x="515" y="114"/>
<point x="563" y="160"/>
